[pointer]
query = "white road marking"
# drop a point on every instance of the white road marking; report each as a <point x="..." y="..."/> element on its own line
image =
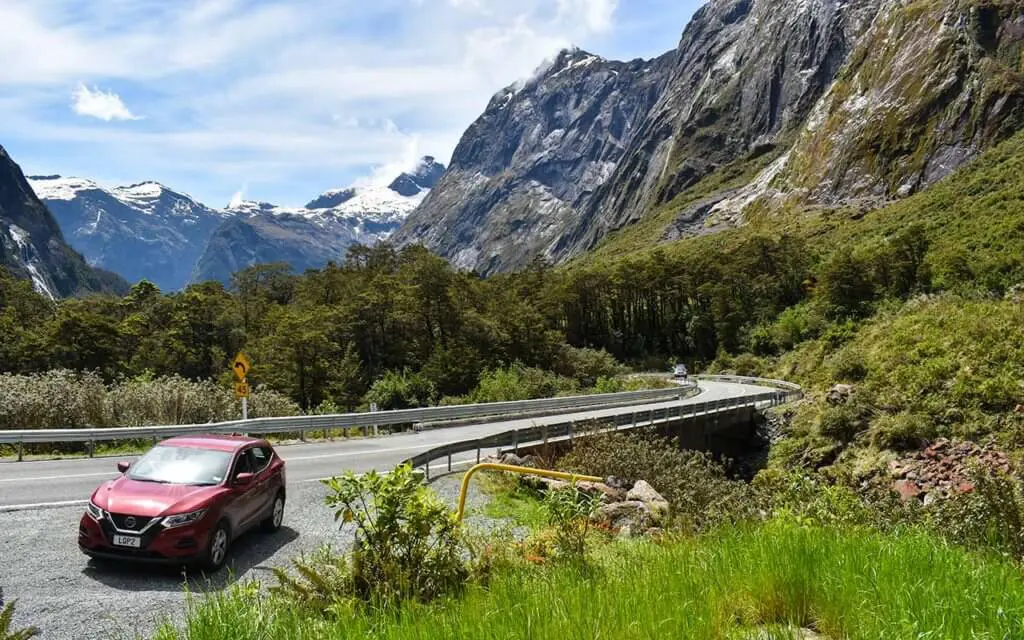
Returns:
<point x="40" y="505"/>
<point x="60" y="477"/>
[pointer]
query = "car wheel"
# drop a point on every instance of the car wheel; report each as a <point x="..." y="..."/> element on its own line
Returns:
<point x="276" y="517"/>
<point x="217" y="548"/>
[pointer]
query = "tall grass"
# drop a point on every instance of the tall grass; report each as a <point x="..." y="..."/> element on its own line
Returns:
<point x="843" y="583"/>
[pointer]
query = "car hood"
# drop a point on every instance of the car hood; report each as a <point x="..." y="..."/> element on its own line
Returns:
<point x="150" y="499"/>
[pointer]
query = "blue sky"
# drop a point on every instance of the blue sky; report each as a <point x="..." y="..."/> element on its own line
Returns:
<point x="280" y="99"/>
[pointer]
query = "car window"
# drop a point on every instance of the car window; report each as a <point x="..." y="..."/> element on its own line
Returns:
<point x="181" y="465"/>
<point x="244" y="463"/>
<point x="260" y="458"/>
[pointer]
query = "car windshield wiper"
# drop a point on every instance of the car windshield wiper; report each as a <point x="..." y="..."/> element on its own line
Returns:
<point x="144" y="479"/>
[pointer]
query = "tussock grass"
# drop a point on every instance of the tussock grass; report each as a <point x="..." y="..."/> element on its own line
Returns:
<point x="844" y="583"/>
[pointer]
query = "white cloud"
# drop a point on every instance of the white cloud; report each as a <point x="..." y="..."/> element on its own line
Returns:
<point x="597" y="15"/>
<point x="236" y="200"/>
<point x="98" y="104"/>
<point x="268" y="92"/>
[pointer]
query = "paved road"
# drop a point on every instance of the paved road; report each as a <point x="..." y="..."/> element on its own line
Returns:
<point x="53" y="483"/>
<point x="68" y="596"/>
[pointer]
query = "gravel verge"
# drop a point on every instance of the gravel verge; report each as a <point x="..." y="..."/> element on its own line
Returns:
<point x="70" y="597"/>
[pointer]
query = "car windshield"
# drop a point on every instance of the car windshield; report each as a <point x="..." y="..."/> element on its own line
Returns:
<point x="181" y="465"/>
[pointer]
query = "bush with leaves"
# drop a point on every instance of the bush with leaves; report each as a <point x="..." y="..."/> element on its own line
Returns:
<point x="696" y="486"/>
<point x="585" y="366"/>
<point x="401" y="390"/>
<point x="991" y="516"/>
<point x="569" y="513"/>
<point x="520" y="383"/>
<point x="320" y="582"/>
<point x="407" y="542"/>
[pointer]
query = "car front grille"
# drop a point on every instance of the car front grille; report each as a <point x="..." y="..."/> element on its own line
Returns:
<point x="127" y="522"/>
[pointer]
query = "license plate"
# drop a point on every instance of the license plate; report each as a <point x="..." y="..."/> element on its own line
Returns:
<point x="127" y="541"/>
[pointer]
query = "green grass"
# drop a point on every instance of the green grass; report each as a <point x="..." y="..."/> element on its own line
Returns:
<point x="843" y="583"/>
<point x="508" y="499"/>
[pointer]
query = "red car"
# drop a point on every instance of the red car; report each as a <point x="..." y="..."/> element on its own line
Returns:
<point x="185" y="501"/>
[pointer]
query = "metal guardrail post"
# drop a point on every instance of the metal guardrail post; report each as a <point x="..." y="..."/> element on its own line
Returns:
<point x="570" y="431"/>
<point x="21" y="451"/>
<point x="449" y="462"/>
<point x="515" y="441"/>
<point x="92" y="448"/>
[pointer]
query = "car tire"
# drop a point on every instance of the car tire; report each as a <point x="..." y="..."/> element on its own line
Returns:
<point x="273" y="522"/>
<point x="217" y="548"/>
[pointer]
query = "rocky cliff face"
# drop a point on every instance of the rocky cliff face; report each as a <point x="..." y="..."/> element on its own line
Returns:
<point x="32" y="245"/>
<point x="524" y="168"/>
<point x="837" y="100"/>
<point x="141" y="231"/>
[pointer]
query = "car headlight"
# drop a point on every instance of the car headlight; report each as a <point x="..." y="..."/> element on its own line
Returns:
<point x="94" y="511"/>
<point x="183" y="519"/>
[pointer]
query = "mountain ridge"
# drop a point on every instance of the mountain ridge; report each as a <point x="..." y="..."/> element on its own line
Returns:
<point x="752" y="84"/>
<point x="147" y="230"/>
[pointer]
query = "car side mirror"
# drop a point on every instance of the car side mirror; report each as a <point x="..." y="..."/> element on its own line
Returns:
<point x="123" y="466"/>
<point x="243" y="479"/>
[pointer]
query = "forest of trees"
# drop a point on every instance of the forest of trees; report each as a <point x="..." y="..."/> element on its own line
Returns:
<point x="327" y="335"/>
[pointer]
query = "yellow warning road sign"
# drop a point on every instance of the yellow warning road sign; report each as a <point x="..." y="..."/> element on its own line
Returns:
<point x="242" y="389"/>
<point x="241" y="366"/>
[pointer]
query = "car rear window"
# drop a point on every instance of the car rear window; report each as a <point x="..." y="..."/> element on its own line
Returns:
<point x="181" y="465"/>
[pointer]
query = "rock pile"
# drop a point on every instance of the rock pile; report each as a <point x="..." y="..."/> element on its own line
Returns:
<point x="628" y="508"/>
<point x="943" y="469"/>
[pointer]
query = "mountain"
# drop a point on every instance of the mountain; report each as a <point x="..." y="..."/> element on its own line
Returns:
<point x="322" y="231"/>
<point x="521" y="171"/>
<point x="150" y="231"/>
<point x="145" y="230"/>
<point x="32" y="246"/>
<point x="763" y="104"/>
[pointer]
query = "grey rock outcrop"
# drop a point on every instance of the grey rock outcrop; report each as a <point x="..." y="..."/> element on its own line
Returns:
<point x="823" y="102"/>
<point x="523" y="169"/>
<point x="32" y="246"/>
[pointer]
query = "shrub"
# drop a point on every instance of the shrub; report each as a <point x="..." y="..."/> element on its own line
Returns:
<point x="990" y="516"/>
<point x="407" y="542"/>
<point x="845" y="421"/>
<point x="405" y="390"/>
<point x="569" y="512"/>
<point x="902" y="431"/>
<point x="321" y="581"/>
<point x="585" y="366"/>
<point x="694" y="484"/>
<point x="520" y="383"/>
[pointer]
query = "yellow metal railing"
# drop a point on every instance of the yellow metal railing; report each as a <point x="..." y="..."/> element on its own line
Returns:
<point x="560" y="475"/>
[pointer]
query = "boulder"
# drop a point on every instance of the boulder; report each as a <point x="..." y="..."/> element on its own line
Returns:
<point x="530" y="460"/>
<point x="618" y="483"/>
<point x="540" y="483"/>
<point x="907" y="489"/>
<point x="633" y="514"/>
<point x="839" y="394"/>
<point x="599" y="488"/>
<point x="512" y="459"/>
<point x="643" y="492"/>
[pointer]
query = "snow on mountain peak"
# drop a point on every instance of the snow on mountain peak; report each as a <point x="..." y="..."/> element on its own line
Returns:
<point x="59" y="187"/>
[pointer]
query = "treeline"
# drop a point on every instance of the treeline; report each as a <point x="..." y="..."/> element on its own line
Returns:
<point x="424" y="332"/>
<point x="406" y="322"/>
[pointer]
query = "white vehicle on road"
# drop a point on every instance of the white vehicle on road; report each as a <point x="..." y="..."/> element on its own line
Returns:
<point x="680" y="372"/>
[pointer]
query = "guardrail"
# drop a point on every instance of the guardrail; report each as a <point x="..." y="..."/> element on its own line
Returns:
<point x="759" y="382"/>
<point x="545" y="432"/>
<point x="302" y="424"/>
